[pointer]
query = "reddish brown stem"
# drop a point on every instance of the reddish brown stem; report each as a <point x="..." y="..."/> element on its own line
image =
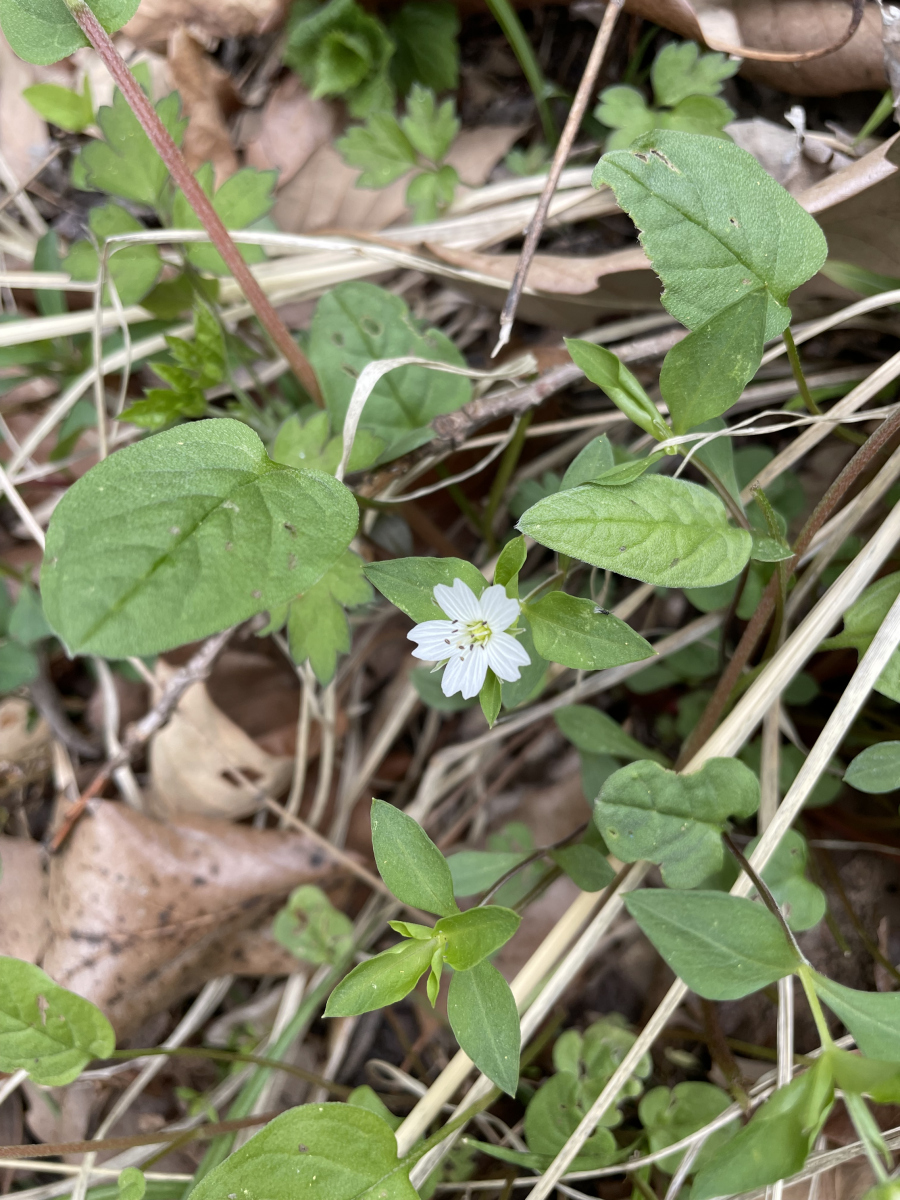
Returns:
<point x="757" y="624"/>
<point x="195" y="195"/>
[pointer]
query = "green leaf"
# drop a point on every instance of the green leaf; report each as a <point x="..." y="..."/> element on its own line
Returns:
<point x="332" y="1151"/>
<point x="703" y="375"/>
<point x="603" y="368"/>
<point x="379" y="149"/>
<point x="776" y="1142"/>
<point x="317" y="624"/>
<point x="597" y="733"/>
<point x="723" y="947"/>
<point x="532" y="677"/>
<point x="183" y="534"/>
<point x="131" y="1184"/>
<point x="44" y="31"/>
<point x="770" y="549"/>
<point x="430" y="192"/>
<point x="715" y="225"/>
<point x="656" y="529"/>
<point x="509" y="564"/>
<point x="364" y="1097"/>
<point x="802" y="901"/>
<point x="381" y="980"/>
<point x="573" y="631"/>
<point x="356" y="323"/>
<point x="872" y="1017"/>
<point x="876" y="770"/>
<point x="134" y="269"/>
<point x="474" y="871"/>
<point x="409" y="583"/>
<point x="862" y="621"/>
<point x="27" y="623"/>
<point x="670" y="1115"/>
<point x="161" y="406"/>
<point x="310" y="927"/>
<point x="425" y="32"/>
<point x="585" y="865"/>
<point x="339" y="49"/>
<point x="554" y="1114"/>
<point x="205" y="356"/>
<point x="485" y="1022"/>
<point x="865" y="1076"/>
<point x="589" y="463"/>
<point x="125" y="163"/>
<point x="409" y="862"/>
<point x="307" y="445"/>
<point x="44" y="1029"/>
<point x="625" y="472"/>
<point x="474" y="935"/>
<point x="706" y="115"/>
<point x="430" y="127"/>
<point x="70" y="110"/>
<point x="680" y="70"/>
<point x="624" y="110"/>
<point x="644" y="811"/>
<point x="18" y="666"/>
<point x="490" y="698"/>
<point x="241" y="201"/>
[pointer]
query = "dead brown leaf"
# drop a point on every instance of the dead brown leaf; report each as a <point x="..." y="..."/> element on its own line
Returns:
<point x="288" y="130"/>
<point x="208" y="98"/>
<point x="779" y="26"/>
<point x="204" y="764"/>
<point x="21" y="738"/>
<point x="24" y="926"/>
<point x="155" y="19"/>
<point x="24" y="137"/>
<point x="571" y="290"/>
<point x="63" y="1114"/>
<point x="857" y="210"/>
<point x="142" y="913"/>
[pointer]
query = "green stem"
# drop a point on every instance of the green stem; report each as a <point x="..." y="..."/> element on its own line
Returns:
<point x="505" y="16"/>
<point x="459" y="497"/>
<point x="504" y="473"/>
<point x="806" y="978"/>
<point x="846" y="435"/>
<point x="882" y="111"/>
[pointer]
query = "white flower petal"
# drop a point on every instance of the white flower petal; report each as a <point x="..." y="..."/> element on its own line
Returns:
<point x="497" y="609"/>
<point x="436" y="640"/>
<point x="458" y="602"/>
<point x="475" y="665"/>
<point x="505" y="656"/>
<point x="453" y="677"/>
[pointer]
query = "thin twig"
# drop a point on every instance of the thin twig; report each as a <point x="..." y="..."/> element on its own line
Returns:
<point x="573" y="124"/>
<point x="194" y="194"/>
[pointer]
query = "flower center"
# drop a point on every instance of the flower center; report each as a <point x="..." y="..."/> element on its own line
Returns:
<point x="476" y="633"/>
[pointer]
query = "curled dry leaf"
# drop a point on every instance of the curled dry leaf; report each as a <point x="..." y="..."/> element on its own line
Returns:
<point x="572" y="290"/>
<point x="857" y="210"/>
<point x="779" y="26"/>
<point x="208" y="98"/>
<point x="155" y="19"/>
<point x="203" y="764"/>
<point x="142" y="912"/>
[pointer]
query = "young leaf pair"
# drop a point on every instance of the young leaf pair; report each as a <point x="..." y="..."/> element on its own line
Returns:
<point x="480" y="1005"/>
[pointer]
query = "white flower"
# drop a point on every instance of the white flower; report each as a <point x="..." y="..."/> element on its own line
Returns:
<point x="473" y="639"/>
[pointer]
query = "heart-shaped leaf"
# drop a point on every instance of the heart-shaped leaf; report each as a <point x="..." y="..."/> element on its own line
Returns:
<point x="184" y="534"/>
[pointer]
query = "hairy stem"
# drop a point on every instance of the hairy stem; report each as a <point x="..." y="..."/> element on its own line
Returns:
<point x="181" y="174"/>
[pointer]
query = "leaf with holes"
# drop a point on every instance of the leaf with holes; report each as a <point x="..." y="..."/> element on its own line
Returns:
<point x="357" y="323"/>
<point x="645" y="811"/>
<point x="715" y="225"/>
<point x="44" y="31"/>
<point x="44" y="1029"/>
<point x="184" y="534"/>
<point x="656" y="529"/>
<point x="723" y="947"/>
